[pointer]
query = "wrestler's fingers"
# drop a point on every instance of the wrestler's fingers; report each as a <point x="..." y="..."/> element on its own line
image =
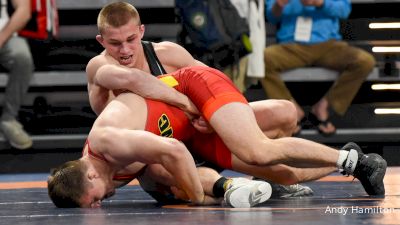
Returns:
<point x="179" y="193"/>
<point x="191" y="108"/>
<point x="208" y="200"/>
<point x="202" y="126"/>
<point x="203" y="122"/>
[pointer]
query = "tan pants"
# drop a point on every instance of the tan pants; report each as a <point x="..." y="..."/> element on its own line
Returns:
<point x="238" y="73"/>
<point x="353" y="64"/>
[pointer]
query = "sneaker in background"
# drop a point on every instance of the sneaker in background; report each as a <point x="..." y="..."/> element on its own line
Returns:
<point x="15" y="134"/>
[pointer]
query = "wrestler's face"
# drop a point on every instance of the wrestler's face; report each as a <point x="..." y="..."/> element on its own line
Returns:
<point x="123" y="43"/>
<point x="96" y="191"/>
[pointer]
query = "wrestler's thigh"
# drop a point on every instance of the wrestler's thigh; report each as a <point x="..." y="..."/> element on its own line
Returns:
<point x="236" y="125"/>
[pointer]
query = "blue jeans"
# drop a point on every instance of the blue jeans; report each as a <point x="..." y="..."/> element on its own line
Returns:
<point x="16" y="58"/>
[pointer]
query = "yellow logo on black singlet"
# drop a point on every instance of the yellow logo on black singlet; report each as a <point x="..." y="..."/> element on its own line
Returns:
<point x="164" y="126"/>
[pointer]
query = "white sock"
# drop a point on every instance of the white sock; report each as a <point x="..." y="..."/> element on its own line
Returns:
<point x="351" y="161"/>
<point x="342" y="157"/>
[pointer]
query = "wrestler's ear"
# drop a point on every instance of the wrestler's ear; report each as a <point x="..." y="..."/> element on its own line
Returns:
<point x="91" y="174"/>
<point x="141" y="29"/>
<point x="100" y="39"/>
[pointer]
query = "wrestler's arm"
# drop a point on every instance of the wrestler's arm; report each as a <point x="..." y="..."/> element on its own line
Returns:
<point x="99" y="96"/>
<point x="115" y="77"/>
<point x="123" y="147"/>
<point x="181" y="58"/>
<point x="173" y="56"/>
<point x="18" y="19"/>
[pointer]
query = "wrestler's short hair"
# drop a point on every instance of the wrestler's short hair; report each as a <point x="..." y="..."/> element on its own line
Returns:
<point x="116" y="14"/>
<point x="66" y="184"/>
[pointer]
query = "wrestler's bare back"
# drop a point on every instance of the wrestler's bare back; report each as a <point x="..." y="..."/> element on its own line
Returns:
<point x="126" y="111"/>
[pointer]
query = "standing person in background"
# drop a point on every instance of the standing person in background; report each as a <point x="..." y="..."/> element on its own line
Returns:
<point x="308" y="35"/>
<point x="16" y="58"/>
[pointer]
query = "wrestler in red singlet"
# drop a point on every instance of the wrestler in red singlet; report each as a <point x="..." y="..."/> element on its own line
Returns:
<point x="208" y="88"/>
<point x="163" y="120"/>
<point x="168" y="121"/>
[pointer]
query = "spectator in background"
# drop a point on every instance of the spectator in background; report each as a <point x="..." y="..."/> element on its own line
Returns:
<point x="252" y="65"/>
<point x="16" y="58"/>
<point x="308" y="35"/>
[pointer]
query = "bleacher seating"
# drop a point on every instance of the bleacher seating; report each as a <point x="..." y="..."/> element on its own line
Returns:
<point x="60" y="78"/>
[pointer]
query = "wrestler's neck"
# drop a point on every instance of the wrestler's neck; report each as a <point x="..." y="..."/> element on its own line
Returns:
<point x="101" y="167"/>
<point x="141" y="62"/>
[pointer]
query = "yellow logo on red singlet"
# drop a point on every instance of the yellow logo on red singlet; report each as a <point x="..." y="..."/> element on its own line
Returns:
<point x="169" y="80"/>
<point x="164" y="126"/>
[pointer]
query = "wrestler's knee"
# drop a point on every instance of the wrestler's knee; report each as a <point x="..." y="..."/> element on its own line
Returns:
<point x="160" y="192"/>
<point x="287" y="118"/>
<point x="158" y="173"/>
<point x="289" y="177"/>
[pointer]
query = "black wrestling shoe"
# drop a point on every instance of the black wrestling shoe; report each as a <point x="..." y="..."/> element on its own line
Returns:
<point x="370" y="170"/>
<point x="352" y="145"/>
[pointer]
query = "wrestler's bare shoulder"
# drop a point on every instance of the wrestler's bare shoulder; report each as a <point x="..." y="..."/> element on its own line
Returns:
<point x="173" y="56"/>
<point x="126" y="105"/>
<point x="165" y="45"/>
<point x="98" y="61"/>
<point x="102" y="59"/>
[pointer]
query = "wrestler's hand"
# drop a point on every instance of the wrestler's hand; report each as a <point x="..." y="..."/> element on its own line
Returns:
<point x="179" y="193"/>
<point x="194" y="116"/>
<point x="202" y="125"/>
<point x="207" y="200"/>
<point x="190" y="109"/>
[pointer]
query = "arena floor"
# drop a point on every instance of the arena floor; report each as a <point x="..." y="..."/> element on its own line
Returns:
<point x="337" y="200"/>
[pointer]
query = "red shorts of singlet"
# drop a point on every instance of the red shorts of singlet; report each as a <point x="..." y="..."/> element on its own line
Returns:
<point x="208" y="88"/>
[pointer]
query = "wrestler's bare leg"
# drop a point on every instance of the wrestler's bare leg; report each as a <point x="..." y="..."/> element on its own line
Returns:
<point x="236" y="124"/>
<point x="276" y="118"/>
<point x="280" y="173"/>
